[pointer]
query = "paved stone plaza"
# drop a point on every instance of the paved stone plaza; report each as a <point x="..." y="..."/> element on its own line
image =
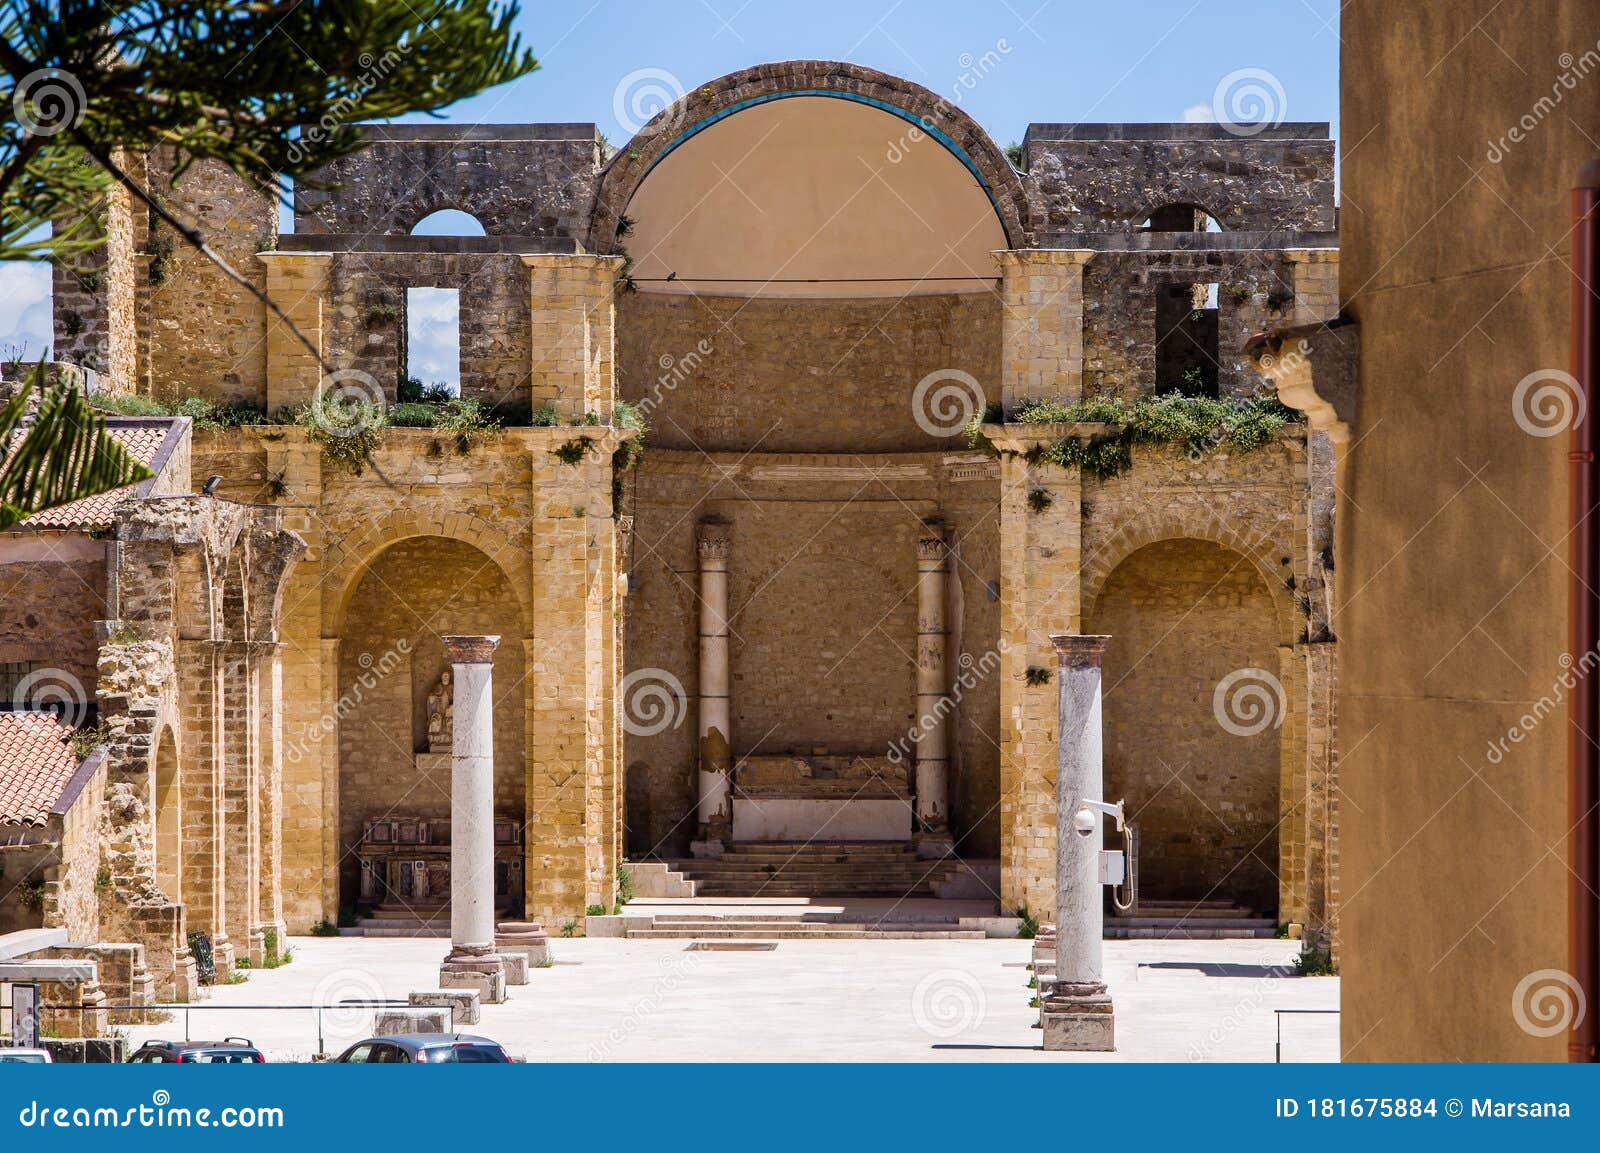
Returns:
<point x="631" y="1000"/>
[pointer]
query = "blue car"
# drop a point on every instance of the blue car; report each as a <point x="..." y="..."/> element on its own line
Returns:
<point x="425" y="1049"/>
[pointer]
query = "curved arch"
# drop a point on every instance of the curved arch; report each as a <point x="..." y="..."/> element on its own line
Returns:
<point x="1263" y="553"/>
<point x="1162" y="214"/>
<point x="347" y="559"/>
<point x="448" y="221"/>
<point x="703" y="106"/>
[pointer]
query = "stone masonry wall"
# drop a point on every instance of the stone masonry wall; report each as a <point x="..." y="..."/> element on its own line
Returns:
<point x="1110" y="178"/>
<point x="410" y="171"/>
<point x="1256" y="293"/>
<point x="823" y="598"/>
<point x="728" y="373"/>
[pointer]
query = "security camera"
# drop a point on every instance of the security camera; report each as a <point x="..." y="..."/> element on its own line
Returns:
<point x="1084" y="821"/>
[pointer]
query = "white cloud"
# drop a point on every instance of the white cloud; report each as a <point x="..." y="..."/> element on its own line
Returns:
<point x="1199" y="114"/>
<point x="433" y="336"/>
<point x="24" y="308"/>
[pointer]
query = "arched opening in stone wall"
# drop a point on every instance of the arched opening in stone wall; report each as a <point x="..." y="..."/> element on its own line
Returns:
<point x="1200" y="779"/>
<point x="817" y="297"/>
<point x="395" y="725"/>
<point x="1181" y="218"/>
<point x="166" y="802"/>
<point x="448" y="222"/>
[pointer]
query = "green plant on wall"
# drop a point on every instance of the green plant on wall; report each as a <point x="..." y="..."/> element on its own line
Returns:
<point x="1201" y="424"/>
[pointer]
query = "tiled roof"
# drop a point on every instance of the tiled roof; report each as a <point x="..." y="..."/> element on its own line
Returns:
<point x="141" y="438"/>
<point x="36" y="765"/>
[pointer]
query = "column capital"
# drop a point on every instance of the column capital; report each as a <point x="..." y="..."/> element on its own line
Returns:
<point x="470" y="650"/>
<point x="714" y="540"/>
<point x="1077" y="651"/>
<point x="931" y="545"/>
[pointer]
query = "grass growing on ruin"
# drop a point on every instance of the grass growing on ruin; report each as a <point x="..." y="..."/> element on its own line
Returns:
<point x="207" y="415"/>
<point x="1202" y="424"/>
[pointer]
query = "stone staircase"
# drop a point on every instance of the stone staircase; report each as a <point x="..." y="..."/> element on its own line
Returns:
<point x="1190" y="921"/>
<point x="402" y="921"/>
<point x="813" y="869"/>
<point x="779" y="925"/>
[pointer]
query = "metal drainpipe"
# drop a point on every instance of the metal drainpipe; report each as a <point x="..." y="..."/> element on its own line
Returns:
<point x="1583" y="624"/>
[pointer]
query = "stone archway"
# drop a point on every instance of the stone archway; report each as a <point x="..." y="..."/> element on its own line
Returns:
<point x="1186" y="616"/>
<point x="407" y="596"/>
<point x="922" y="109"/>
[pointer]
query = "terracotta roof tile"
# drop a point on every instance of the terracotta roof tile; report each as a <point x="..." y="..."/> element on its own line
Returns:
<point x="36" y="764"/>
<point x="142" y="439"/>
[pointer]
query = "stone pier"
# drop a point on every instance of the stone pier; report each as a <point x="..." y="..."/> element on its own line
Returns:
<point x="472" y="962"/>
<point x="1078" y="1010"/>
<point x="714" y="806"/>
<point x="933" y="692"/>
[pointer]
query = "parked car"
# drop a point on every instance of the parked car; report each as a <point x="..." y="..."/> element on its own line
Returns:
<point x="426" y="1049"/>
<point x="22" y="1056"/>
<point x="228" y="1051"/>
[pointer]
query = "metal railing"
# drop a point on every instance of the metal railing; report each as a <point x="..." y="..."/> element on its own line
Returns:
<point x="187" y="1009"/>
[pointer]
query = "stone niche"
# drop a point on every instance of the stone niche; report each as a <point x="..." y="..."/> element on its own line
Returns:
<point x="801" y="797"/>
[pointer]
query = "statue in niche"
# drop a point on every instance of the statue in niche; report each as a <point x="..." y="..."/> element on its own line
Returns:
<point x="441" y="715"/>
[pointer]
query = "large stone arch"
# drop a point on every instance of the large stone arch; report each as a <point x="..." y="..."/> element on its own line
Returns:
<point x="390" y="658"/>
<point x="1198" y="720"/>
<point x="1263" y="550"/>
<point x="347" y="558"/>
<point x="920" y="107"/>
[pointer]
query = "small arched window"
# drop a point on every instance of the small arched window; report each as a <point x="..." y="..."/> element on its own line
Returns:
<point x="1181" y="218"/>
<point x="448" y="222"/>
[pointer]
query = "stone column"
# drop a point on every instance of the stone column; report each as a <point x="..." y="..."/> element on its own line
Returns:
<point x="1078" y="1011"/>
<point x="933" y="691"/>
<point x="472" y="961"/>
<point x="715" y="810"/>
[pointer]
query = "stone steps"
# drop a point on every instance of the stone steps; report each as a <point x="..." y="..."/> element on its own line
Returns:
<point x="834" y="869"/>
<point x="859" y="932"/>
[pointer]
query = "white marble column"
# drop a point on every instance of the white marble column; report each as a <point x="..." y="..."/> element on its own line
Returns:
<point x="933" y="693"/>
<point x="715" y="806"/>
<point x="1078" y="1011"/>
<point x="472" y="962"/>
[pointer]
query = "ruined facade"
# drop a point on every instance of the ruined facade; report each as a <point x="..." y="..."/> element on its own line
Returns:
<point x="813" y="611"/>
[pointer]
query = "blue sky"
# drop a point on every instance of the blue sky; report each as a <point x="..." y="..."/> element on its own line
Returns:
<point x="1009" y="62"/>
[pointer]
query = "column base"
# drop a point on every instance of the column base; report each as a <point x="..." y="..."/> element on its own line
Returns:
<point x="934" y="845"/>
<point x="1079" y="1018"/>
<point x="471" y="969"/>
